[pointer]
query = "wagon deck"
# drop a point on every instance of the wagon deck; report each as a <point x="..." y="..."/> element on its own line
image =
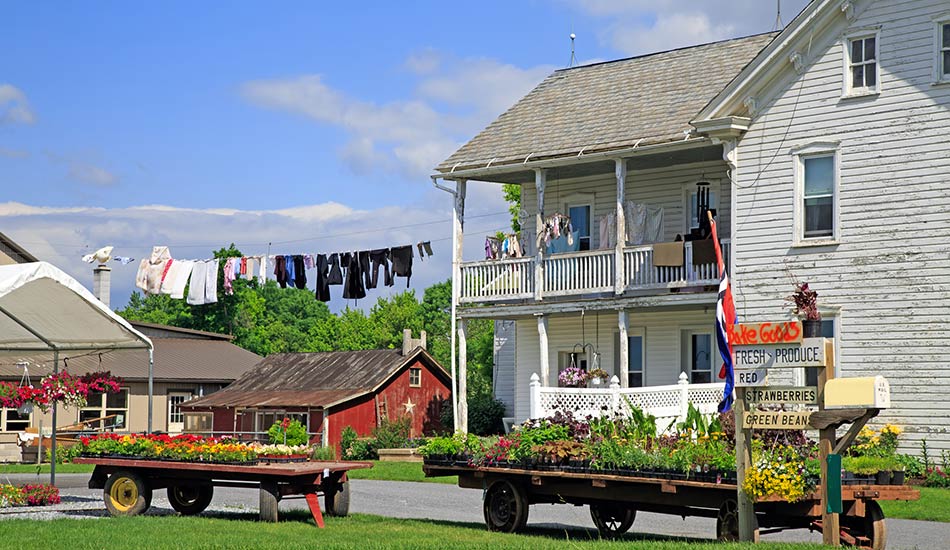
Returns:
<point x="614" y="501"/>
<point x="128" y="483"/>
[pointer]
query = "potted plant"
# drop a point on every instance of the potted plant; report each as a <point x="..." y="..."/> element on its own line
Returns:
<point x="572" y="377"/>
<point x="597" y="377"/>
<point x="805" y="305"/>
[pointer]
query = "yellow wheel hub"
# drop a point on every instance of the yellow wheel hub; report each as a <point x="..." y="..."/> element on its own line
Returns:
<point x="124" y="494"/>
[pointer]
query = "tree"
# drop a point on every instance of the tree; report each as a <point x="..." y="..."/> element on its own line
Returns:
<point x="512" y="194"/>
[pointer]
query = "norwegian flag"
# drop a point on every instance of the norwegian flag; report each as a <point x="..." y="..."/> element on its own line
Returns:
<point x="725" y="317"/>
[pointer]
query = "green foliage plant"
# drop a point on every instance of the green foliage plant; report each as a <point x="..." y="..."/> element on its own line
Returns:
<point x="288" y="432"/>
<point x="393" y="433"/>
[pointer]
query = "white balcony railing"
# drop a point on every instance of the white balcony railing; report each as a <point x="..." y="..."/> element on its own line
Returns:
<point x="580" y="273"/>
<point x="669" y="404"/>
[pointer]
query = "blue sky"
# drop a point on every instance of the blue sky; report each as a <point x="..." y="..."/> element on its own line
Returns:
<point x="199" y="124"/>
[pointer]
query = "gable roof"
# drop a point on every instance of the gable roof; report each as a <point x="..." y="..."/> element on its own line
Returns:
<point x="16" y="252"/>
<point x="648" y="99"/>
<point x="156" y="330"/>
<point x="315" y="379"/>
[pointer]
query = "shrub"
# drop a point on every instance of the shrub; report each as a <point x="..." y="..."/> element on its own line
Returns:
<point x="393" y="434"/>
<point x="485" y="415"/>
<point x="910" y="464"/>
<point x="936" y="477"/>
<point x="323" y="453"/>
<point x="288" y="432"/>
<point x="347" y="437"/>
<point x="362" y="449"/>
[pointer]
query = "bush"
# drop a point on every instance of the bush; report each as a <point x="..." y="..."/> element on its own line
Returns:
<point x="937" y="478"/>
<point x="362" y="449"/>
<point x="347" y="437"/>
<point x="485" y="415"/>
<point x="289" y="432"/>
<point x="911" y="464"/>
<point x="323" y="453"/>
<point x="393" y="434"/>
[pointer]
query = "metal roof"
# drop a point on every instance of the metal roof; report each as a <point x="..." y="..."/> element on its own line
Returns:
<point x="315" y="379"/>
<point x="648" y="99"/>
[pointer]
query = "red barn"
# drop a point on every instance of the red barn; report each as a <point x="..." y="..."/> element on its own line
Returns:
<point x="327" y="392"/>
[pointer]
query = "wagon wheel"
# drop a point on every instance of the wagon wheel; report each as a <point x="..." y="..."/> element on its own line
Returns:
<point x="336" y="499"/>
<point x="126" y="494"/>
<point x="870" y="531"/>
<point x="611" y="519"/>
<point x="189" y="500"/>
<point x="506" y="507"/>
<point x="727" y="523"/>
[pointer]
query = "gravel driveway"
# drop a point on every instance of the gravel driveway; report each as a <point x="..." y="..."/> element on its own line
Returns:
<point x="448" y="503"/>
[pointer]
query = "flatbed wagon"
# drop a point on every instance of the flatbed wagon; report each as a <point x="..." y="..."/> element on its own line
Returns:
<point x="614" y="501"/>
<point x="128" y="484"/>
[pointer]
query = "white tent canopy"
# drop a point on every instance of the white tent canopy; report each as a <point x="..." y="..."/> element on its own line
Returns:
<point x="44" y="309"/>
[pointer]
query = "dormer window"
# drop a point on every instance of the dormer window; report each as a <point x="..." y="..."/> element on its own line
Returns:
<point x="862" y="64"/>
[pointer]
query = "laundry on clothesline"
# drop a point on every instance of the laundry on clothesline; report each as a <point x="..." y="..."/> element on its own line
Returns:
<point x="503" y="248"/>
<point x="643" y="224"/>
<point x="356" y="271"/>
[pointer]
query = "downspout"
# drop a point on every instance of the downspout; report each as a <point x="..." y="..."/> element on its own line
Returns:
<point x="452" y="360"/>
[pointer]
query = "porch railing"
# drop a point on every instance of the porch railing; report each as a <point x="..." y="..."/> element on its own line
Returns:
<point x="579" y="273"/>
<point x="669" y="404"/>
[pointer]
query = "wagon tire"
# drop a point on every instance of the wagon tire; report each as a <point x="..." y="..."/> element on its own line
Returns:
<point x="189" y="500"/>
<point x="612" y="520"/>
<point x="870" y="526"/>
<point x="727" y="523"/>
<point x="505" y="507"/>
<point x="336" y="500"/>
<point x="126" y="494"/>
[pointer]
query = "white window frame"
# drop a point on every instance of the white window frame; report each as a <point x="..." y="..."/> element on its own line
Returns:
<point x="938" y="74"/>
<point x="205" y="416"/>
<point x="3" y="420"/>
<point x="636" y="332"/>
<point x="418" y="372"/>
<point x="172" y="407"/>
<point x="847" y="90"/>
<point x="799" y="154"/>
<point x="689" y="191"/>
<point x="103" y="408"/>
<point x="582" y="199"/>
<point x="713" y="353"/>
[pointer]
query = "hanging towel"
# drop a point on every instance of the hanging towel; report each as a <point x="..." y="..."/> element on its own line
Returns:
<point x="668" y="254"/>
<point x="402" y="262"/>
<point x="180" y="279"/>
<point x="211" y="282"/>
<point x="608" y="231"/>
<point x="196" y="287"/>
<point x="262" y="277"/>
<point x="704" y="252"/>
<point x="149" y="275"/>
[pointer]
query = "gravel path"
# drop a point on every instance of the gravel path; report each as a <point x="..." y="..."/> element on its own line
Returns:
<point x="443" y="502"/>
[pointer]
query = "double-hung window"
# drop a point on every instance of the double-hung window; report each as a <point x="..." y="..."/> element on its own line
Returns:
<point x="635" y="361"/>
<point x="816" y="193"/>
<point x="942" y="65"/>
<point x="415" y="377"/>
<point x="699" y="359"/>
<point x="862" y="61"/>
<point x="12" y="421"/>
<point x="580" y="221"/>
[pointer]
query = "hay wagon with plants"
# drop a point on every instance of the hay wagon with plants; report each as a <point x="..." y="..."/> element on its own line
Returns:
<point x="620" y="465"/>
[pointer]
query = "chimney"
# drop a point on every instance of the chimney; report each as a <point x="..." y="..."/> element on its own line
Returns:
<point x="102" y="283"/>
<point x="409" y="343"/>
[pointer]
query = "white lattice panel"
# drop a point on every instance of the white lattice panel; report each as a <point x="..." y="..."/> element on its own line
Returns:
<point x="580" y="401"/>
<point x="663" y="402"/>
<point x="706" y="397"/>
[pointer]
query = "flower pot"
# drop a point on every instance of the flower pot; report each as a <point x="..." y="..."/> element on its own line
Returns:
<point x="811" y="328"/>
<point x="898" y="477"/>
<point x="883" y="478"/>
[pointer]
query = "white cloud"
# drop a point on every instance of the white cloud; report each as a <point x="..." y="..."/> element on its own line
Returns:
<point x="452" y="100"/>
<point x="635" y="27"/>
<point x="61" y="235"/>
<point x="94" y="175"/>
<point x="14" y="107"/>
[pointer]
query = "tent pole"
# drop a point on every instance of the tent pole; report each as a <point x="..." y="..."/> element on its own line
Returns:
<point x="52" y="445"/>
<point x="151" y="368"/>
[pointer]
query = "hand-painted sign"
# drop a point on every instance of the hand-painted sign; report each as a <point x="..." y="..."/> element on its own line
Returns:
<point x="810" y="353"/>
<point x="750" y="334"/>
<point x="751" y="377"/>
<point x="807" y="395"/>
<point x="776" y="420"/>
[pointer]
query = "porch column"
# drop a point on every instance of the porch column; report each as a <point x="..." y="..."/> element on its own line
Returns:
<point x="545" y="358"/>
<point x="620" y="274"/>
<point x="462" y="419"/>
<point x="540" y="181"/>
<point x="458" y="224"/>
<point x="730" y="153"/>
<point x="624" y="361"/>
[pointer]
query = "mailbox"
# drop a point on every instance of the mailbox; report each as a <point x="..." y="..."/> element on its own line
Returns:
<point x="872" y="392"/>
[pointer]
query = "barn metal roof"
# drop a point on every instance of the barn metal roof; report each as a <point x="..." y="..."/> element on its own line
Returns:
<point x="315" y="379"/>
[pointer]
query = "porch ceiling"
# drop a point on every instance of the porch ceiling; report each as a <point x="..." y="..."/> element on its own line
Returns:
<point x="667" y="302"/>
<point x="702" y="152"/>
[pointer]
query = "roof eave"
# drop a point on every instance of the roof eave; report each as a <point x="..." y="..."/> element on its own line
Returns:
<point x="725" y="128"/>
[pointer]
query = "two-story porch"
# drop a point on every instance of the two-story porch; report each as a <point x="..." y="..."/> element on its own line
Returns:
<point x="615" y="268"/>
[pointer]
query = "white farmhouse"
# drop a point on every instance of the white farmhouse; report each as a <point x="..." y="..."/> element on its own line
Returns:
<point x="822" y="152"/>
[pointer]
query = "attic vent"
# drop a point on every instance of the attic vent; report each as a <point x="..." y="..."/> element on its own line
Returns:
<point x="409" y="343"/>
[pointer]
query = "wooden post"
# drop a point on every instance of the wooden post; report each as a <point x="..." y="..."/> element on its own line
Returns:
<point x="619" y="271"/>
<point x="543" y="349"/>
<point x="747" y="525"/>
<point x="540" y="181"/>
<point x="458" y="232"/>
<point x="624" y="363"/>
<point x="463" y="374"/>
<point x="830" y="522"/>
<point x="269" y="498"/>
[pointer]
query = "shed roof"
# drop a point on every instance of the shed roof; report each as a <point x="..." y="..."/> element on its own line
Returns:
<point x="315" y="379"/>
<point x="648" y="99"/>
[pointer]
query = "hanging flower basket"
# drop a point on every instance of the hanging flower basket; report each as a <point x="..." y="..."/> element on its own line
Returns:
<point x="63" y="387"/>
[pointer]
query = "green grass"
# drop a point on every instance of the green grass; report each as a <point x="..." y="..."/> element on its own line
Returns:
<point x="399" y="471"/>
<point x="934" y="505"/>
<point x="296" y="531"/>
<point x="44" y="468"/>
